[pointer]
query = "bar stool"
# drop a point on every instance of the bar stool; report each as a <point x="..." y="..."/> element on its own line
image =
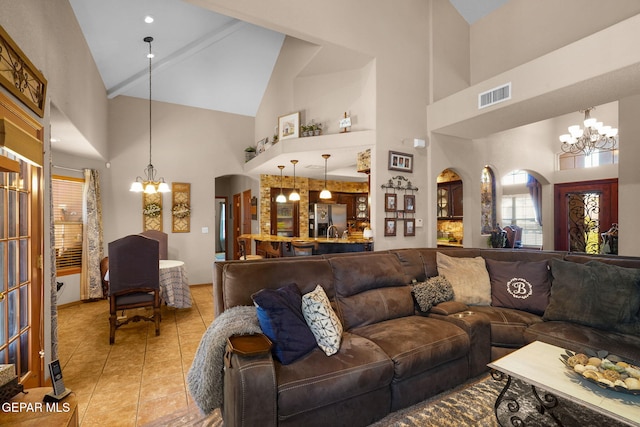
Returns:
<point x="302" y="248"/>
<point x="243" y="242"/>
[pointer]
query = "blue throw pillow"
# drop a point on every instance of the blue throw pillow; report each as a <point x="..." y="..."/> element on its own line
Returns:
<point x="281" y="319"/>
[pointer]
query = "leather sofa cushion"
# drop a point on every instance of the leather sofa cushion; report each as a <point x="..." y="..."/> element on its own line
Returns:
<point x="507" y="325"/>
<point x="370" y="289"/>
<point x="314" y="381"/>
<point x="241" y="279"/>
<point x="580" y="338"/>
<point x="417" y="344"/>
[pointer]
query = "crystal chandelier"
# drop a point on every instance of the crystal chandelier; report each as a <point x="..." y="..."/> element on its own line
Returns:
<point x="149" y="184"/>
<point x="594" y="137"/>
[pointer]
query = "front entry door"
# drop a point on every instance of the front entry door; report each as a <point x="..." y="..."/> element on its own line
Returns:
<point x="584" y="211"/>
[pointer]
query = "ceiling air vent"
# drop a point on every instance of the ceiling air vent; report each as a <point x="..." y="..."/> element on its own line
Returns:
<point x="495" y="95"/>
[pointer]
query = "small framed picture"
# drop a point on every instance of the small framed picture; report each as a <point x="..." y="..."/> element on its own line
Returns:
<point x="390" y="227"/>
<point x="409" y="203"/>
<point x="409" y="227"/>
<point x="390" y="202"/>
<point x="289" y="126"/>
<point x="400" y="162"/>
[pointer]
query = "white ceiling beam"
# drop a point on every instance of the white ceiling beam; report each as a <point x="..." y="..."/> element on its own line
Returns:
<point x="178" y="56"/>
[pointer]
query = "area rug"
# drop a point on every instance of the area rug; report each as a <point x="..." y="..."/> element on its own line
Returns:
<point x="470" y="404"/>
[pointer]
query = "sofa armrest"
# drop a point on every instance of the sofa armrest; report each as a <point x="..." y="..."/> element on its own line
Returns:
<point x="478" y="327"/>
<point x="250" y="389"/>
<point x="449" y="307"/>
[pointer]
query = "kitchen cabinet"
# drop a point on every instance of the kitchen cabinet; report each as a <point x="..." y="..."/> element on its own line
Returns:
<point x="357" y="203"/>
<point x="449" y="199"/>
<point x="285" y="217"/>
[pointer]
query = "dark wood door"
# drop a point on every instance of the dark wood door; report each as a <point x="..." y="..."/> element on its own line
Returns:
<point x="236" y="225"/>
<point x="584" y="210"/>
<point x="455" y="193"/>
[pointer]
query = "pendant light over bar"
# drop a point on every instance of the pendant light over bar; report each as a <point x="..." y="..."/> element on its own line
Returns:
<point x="325" y="193"/>
<point x="281" y="197"/>
<point x="294" y="196"/>
<point x="149" y="184"/>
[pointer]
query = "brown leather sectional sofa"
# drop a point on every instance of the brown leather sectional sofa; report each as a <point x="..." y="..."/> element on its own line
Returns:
<point x="391" y="355"/>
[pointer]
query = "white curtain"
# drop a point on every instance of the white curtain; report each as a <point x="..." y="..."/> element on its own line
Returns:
<point x="92" y="251"/>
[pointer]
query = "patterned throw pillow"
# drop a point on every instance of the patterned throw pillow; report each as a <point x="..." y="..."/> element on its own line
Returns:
<point x="432" y="292"/>
<point x="322" y="320"/>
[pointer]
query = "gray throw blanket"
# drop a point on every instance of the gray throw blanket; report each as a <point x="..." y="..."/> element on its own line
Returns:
<point x="206" y="375"/>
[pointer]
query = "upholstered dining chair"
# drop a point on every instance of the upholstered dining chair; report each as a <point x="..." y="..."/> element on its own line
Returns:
<point x="514" y="236"/>
<point x="302" y="248"/>
<point x="162" y="238"/>
<point x="104" y="267"/>
<point x="134" y="280"/>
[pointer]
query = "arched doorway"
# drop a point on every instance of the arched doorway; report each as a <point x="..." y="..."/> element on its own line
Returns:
<point x="450" y="209"/>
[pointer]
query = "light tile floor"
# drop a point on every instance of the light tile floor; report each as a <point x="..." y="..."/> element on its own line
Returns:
<point x="141" y="377"/>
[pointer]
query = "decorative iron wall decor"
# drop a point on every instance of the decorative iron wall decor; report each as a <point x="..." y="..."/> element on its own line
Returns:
<point x="19" y="76"/>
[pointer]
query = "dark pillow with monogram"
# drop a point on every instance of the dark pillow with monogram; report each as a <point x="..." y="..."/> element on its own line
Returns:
<point x="595" y="294"/>
<point x="521" y="285"/>
<point x="281" y="319"/>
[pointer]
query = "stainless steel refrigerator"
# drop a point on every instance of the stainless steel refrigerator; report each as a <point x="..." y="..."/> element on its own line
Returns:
<point x="323" y="215"/>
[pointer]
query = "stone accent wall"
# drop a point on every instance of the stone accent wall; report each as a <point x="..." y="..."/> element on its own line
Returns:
<point x="304" y="185"/>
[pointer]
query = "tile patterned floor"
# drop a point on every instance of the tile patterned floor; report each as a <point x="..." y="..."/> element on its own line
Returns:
<point x="141" y="377"/>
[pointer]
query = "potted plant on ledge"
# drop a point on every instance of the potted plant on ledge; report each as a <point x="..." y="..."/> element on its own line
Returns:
<point x="249" y="153"/>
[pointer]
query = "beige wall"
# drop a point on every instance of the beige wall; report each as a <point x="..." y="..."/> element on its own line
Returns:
<point x="450" y="42"/>
<point x="396" y="34"/>
<point x="189" y="145"/>
<point x="523" y="30"/>
<point x="50" y="36"/>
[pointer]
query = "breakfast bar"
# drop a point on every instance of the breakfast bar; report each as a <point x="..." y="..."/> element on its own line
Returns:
<point x="324" y="245"/>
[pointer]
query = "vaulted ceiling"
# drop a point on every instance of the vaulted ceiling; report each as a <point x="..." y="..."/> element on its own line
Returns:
<point x="202" y="59"/>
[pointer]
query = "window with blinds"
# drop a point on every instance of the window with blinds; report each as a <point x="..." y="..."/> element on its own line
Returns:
<point x="67" y="222"/>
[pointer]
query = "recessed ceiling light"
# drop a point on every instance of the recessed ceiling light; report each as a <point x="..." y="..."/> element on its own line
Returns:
<point x="148" y="19"/>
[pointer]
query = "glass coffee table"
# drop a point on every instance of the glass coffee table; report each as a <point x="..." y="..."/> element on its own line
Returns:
<point x="539" y="365"/>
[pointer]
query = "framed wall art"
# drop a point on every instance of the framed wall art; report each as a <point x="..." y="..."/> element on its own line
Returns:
<point x="400" y="162"/>
<point x="390" y="227"/>
<point x="409" y="203"/>
<point x="390" y="202"/>
<point x="409" y="227"/>
<point x="289" y="126"/>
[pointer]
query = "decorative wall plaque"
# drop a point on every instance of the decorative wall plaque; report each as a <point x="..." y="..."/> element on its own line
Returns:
<point x="180" y="207"/>
<point x="152" y="211"/>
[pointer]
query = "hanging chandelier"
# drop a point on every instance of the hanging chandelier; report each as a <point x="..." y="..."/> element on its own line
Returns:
<point x="281" y="197"/>
<point x="149" y="184"/>
<point x="325" y="193"/>
<point x="294" y="196"/>
<point x="594" y="137"/>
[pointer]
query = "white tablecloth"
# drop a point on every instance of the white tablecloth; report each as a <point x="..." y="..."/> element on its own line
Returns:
<point x="174" y="285"/>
